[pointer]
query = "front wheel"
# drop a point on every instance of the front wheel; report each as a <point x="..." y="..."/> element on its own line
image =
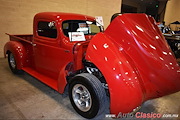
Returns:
<point x="87" y="95"/>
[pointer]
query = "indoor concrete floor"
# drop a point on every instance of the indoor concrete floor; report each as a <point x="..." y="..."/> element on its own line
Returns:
<point x="24" y="97"/>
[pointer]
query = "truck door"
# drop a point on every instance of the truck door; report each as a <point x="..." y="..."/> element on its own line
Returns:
<point x="49" y="57"/>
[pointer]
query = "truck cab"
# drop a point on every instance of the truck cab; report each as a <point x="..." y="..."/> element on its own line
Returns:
<point x="53" y="48"/>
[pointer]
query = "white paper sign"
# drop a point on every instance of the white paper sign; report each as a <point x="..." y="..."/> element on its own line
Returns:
<point x="76" y="36"/>
<point x="99" y="21"/>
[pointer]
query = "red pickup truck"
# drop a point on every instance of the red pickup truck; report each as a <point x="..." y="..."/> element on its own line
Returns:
<point x="129" y="63"/>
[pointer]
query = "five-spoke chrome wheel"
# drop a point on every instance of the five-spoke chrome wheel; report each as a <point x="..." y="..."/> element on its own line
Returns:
<point x="87" y="95"/>
<point x="82" y="97"/>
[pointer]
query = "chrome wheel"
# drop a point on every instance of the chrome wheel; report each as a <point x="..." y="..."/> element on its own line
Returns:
<point x="87" y="95"/>
<point x="82" y="97"/>
<point x="12" y="61"/>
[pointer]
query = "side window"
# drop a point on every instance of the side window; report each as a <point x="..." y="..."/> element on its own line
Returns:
<point x="47" y="29"/>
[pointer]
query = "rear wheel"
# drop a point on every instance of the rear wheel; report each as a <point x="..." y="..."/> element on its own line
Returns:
<point x="87" y="95"/>
<point x="12" y="63"/>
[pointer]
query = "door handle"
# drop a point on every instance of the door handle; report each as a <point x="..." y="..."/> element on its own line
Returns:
<point x="33" y="45"/>
<point x="67" y="51"/>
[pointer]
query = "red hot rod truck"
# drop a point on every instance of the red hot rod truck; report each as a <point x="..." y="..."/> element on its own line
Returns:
<point x="129" y="63"/>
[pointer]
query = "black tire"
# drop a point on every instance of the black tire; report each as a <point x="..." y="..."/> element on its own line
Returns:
<point x="97" y="95"/>
<point x="12" y="63"/>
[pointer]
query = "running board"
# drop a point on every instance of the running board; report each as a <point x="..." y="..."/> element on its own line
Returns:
<point x="48" y="81"/>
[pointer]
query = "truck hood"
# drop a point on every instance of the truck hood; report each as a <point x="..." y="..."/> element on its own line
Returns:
<point x="139" y="37"/>
<point x="135" y="61"/>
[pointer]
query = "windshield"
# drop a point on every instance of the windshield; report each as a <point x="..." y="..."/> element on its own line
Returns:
<point x="87" y="27"/>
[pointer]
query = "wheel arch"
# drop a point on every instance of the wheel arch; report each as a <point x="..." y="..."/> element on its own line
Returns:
<point x="18" y="50"/>
<point x="63" y="82"/>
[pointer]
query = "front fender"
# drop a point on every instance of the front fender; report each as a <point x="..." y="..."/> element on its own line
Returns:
<point x="18" y="51"/>
<point x="125" y="85"/>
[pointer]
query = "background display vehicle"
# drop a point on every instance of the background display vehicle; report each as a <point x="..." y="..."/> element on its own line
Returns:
<point x="129" y="63"/>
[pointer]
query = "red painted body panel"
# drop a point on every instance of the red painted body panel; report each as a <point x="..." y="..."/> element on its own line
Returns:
<point x="123" y="81"/>
<point x="18" y="50"/>
<point x="21" y="47"/>
<point x="136" y="61"/>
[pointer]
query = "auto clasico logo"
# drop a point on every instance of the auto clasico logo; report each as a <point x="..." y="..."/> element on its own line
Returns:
<point x="141" y="115"/>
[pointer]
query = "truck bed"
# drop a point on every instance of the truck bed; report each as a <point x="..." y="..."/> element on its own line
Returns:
<point x="26" y="38"/>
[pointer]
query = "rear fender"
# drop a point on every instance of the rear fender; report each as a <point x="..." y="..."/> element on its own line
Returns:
<point x="125" y="87"/>
<point x="18" y="51"/>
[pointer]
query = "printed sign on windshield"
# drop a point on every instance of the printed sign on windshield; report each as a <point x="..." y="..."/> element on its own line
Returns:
<point x="76" y="36"/>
